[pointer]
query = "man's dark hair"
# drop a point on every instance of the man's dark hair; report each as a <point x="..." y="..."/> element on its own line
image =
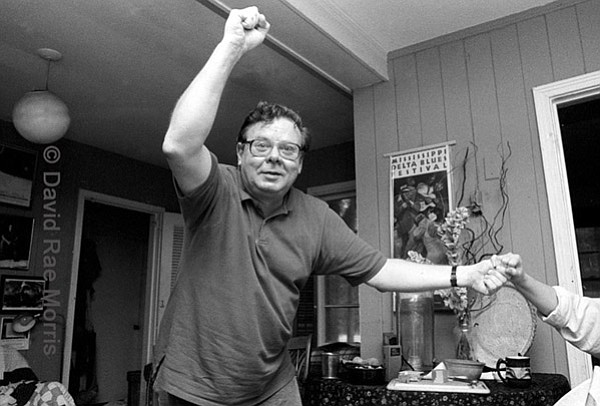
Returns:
<point x="266" y="112"/>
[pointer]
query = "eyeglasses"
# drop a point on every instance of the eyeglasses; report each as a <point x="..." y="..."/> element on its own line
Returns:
<point x="260" y="147"/>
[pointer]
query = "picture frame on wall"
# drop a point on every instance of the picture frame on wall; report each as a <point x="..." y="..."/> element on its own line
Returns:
<point x="16" y="236"/>
<point x="9" y="337"/>
<point x="17" y="172"/>
<point x="341" y="198"/>
<point x="22" y="293"/>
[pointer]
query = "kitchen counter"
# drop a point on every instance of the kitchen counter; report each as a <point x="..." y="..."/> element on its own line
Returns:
<point x="545" y="390"/>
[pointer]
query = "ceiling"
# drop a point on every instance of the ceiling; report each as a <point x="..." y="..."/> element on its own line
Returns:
<point x="125" y="62"/>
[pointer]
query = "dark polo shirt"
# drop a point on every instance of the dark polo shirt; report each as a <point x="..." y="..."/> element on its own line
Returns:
<point x="230" y="315"/>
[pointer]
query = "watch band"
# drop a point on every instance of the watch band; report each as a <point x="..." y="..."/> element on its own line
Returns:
<point x="453" y="281"/>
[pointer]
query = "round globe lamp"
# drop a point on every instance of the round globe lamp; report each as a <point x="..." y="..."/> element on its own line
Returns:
<point x="41" y="117"/>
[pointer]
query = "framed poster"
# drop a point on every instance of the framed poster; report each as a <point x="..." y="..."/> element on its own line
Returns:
<point x="17" y="171"/>
<point x="420" y="193"/>
<point x="16" y="235"/>
<point x="22" y="293"/>
<point x="9" y="337"/>
<point x="421" y="196"/>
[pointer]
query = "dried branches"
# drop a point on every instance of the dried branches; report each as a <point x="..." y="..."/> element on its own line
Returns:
<point x="483" y="241"/>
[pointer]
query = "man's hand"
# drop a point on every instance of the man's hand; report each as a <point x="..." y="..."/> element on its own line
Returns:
<point x="487" y="278"/>
<point x="246" y="28"/>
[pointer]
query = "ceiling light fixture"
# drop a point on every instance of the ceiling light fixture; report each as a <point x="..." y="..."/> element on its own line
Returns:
<point x="40" y="116"/>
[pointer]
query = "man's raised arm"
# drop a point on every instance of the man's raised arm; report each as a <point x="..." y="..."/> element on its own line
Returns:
<point x="195" y="111"/>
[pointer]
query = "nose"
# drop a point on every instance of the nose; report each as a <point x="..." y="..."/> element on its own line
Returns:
<point x="274" y="156"/>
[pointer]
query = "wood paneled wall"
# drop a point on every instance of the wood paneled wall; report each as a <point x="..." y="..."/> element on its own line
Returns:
<point x="475" y="88"/>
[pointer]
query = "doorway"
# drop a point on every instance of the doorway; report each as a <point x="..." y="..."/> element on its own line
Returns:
<point x="111" y="321"/>
<point x="580" y="127"/>
<point x="548" y="100"/>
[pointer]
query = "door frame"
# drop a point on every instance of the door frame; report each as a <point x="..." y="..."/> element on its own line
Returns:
<point x="547" y="98"/>
<point x="152" y="279"/>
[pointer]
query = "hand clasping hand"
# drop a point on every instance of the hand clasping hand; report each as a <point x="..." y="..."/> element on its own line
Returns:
<point x="511" y="265"/>
<point x="488" y="278"/>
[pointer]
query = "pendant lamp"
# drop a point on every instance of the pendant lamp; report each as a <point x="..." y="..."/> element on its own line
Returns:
<point x="40" y="116"/>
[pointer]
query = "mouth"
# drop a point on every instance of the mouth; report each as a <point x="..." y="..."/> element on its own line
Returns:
<point x="272" y="174"/>
<point x="272" y="171"/>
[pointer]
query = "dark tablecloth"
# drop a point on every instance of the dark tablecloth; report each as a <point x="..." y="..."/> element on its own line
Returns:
<point x="545" y="390"/>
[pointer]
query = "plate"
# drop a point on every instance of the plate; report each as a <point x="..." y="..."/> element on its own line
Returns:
<point x="504" y="326"/>
<point x="429" y="386"/>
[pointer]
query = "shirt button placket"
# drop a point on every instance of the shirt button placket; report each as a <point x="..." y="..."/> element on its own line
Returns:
<point x="261" y="240"/>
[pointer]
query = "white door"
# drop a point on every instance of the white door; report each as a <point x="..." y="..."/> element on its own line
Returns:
<point x="171" y="250"/>
<point x="160" y="286"/>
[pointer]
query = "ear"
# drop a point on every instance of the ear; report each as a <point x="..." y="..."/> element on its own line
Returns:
<point x="239" y="151"/>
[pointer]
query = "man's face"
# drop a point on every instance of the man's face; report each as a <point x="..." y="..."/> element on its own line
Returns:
<point x="270" y="176"/>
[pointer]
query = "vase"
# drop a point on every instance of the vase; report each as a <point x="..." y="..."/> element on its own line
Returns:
<point x="465" y="342"/>
<point x="416" y="329"/>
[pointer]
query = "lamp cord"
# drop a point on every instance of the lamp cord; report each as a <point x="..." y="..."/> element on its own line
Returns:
<point x="47" y="74"/>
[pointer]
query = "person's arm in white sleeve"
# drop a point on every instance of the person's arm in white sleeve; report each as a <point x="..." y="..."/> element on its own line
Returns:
<point x="575" y="317"/>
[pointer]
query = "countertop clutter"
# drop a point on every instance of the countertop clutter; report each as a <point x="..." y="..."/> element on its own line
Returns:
<point x="437" y="381"/>
<point x="545" y="390"/>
